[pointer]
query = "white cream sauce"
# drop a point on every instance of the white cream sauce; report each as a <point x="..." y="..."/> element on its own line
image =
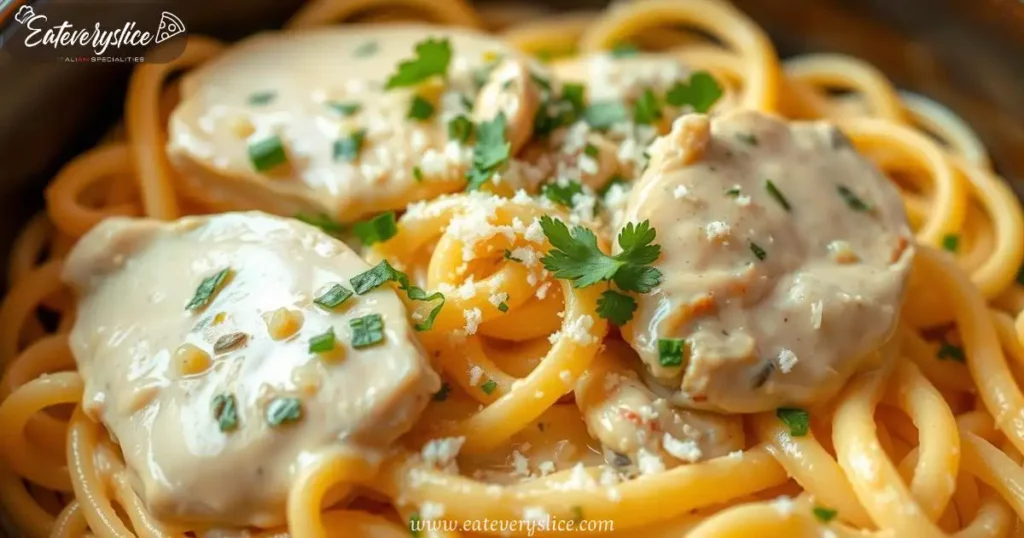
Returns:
<point x="789" y="328"/>
<point x="134" y="278"/>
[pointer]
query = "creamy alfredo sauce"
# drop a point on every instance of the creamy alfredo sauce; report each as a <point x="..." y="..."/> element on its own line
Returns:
<point x="351" y="148"/>
<point x="157" y="374"/>
<point x="781" y="289"/>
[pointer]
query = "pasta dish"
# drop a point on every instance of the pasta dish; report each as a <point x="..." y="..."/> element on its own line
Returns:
<point x="410" y="269"/>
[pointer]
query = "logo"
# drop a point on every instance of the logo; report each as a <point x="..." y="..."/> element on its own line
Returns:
<point x="96" y="32"/>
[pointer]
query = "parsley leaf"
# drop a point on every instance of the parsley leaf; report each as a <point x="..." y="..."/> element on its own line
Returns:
<point x="951" y="242"/>
<point x="347" y="149"/>
<point x="267" y="154"/>
<point x="207" y="289"/>
<point x="491" y="151"/>
<point x="383" y="272"/>
<point x="560" y="193"/>
<point x="489" y="386"/>
<point x="823" y="514"/>
<point x="671" y="351"/>
<point x="460" y="128"/>
<point x="616" y="307"/>
<point x="948" y="351"/>
<point x="604" y="114"/>
<point x="646" y="109"/>
<point x="797" y="419"/>
<point x="636" y="242"/>
<point x="420" y="109"/>
<point x="376" y="230"/>
<point x="700" y="92"/>
<point x="575" y="255"/>
<point x="431" y="58"/>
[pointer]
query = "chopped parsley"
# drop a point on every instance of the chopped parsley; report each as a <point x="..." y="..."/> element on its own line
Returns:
<point x="758" y="251"/>
<point x="851" y="199"/>
<point x="322" y="343"/>
<point x="376" y="230"/>
<point x="490" y="153"/>
<point x="510" y="257"/>
<point x="777" y="194"/>
<point x="575" y="256"/>
<point x="503" y="306"/>
<point x="420" y="109"/>
<point x="442" y="393"/>
<point x="267" y="154"/>
<point x="671" y="351"/>
<point x="261" y="98"/>
<point x="207" y="289"/>
<point x="284" y="410"/>
<point x="591" y="150"/>
<point x="322" y="221"/>
<point x="950" y="352"/>
<point x="616" y="307"/>
<point x="348" y="148"/>
<point x="604" y="114"/>
<point x="431" y="58"/>
<point x="460" y="129"/>
<point x="383" y="272"/>
<point x="367" y="330"/>
<point x="700" y="92"/>
<point x="345" y="109"/>
<point x="646" y="109"/>
<point x="366" y="49"/>
<point x="624" y="49"/>
<point x="333" y="297"/>
<point x="823" y="514"/>
<point x="417" y="174"/>
<point x="230" y="341"/>
<point x="747" y="138"/>
<point x="225" y="412"/>
<point x="562" y="192"/>
<point x="489" y="386"/>
<point x="797" y="419"/>
<point x="951" y="242"/>
<point x="733" y="192"/>
<point x="574" y="95"/>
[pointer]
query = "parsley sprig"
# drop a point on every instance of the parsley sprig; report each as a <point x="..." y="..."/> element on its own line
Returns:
<point x="575" y="256"/>
<point x="431" y="59"/>
<point x="490" y="153"/>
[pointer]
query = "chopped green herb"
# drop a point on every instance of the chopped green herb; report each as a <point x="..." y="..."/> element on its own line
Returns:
<point x="261" y="98"/>
<point x="376" y="230"/>
<point x="415" y="524"/>
<point x="671" y="351"/>
<point x="591" y="150"/>
<point x="747" y="138"/>
<point x="490" y="153"/>
<point x="230" y="341"/>
<point x="574" y="95"/>
<point x="284" y="410"/>
<point x="758" y="251"/>
<point x="733" y="192"/>
<point x="616" y="307"/>
<point x="383" y="272"/>
<point x="333" y="297"/>
<point x="604" y="114"/>
<point x="646" y="109"/>
<point x="615" y="180"/>
<point x="510" y="257"/>
<point x="460" y="129"/>
<point x="367" y="330"/>
<point x="503" y="306"/>
<point x="575" y="256"/>
<point x="951" y="242"/>
<point x="322" y="221"/>
<point x="366" y="49"/>
<point x="420" y="109"/>
<point x="540" y="81"/>
<point x="267" y="154"/>
<point x="624" y="50"/>
<point x="948" y="351"/>
<point x="225" y="412"/>
<point x="322" y="343"/>
<point x="417" y="174"/>
<point x="207" y="289"/>
<point x="562" y="192"/>
<point x="797" y="419"/>
<point x="700" y="92"/>
<point x="431" y="58"/>
<point x="348" y="148"/>
<point x="345" y="109"/>
<point x="852" y="200"/>
<point x="824" y="515"/>
<point x="442" y="393"/>
<point x="489" y="386"/>
<point x="777" y="194"/>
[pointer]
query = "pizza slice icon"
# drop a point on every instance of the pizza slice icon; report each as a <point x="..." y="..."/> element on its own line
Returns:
<point x="170" y="26"/>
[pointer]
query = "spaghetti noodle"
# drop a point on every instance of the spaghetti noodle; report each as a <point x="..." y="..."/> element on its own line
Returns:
<point x="928" y="444"/>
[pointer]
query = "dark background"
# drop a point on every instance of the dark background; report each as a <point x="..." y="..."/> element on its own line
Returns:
<point x="968" y="54"/>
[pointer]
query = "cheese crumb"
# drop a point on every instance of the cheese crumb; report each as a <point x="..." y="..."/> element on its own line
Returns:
<point x="497" y="298"/>
<point x="787" y="360"/>
<point x="475" y="373"/>
<point x="473" y="318"/>
<point x="441" y="452"/>
<point x="717" y="230"/>
<point x="578" y="330"/>
<point x="534" y="232"/>
<point x="431" y="510"/>
<point x="546" y="467"/>
<point x="520" y="463"/>
<point x="681" y="450"/>
<point x="649" y="463"/>
<point x="681" y="192"/>
<point x="784" y="505"/>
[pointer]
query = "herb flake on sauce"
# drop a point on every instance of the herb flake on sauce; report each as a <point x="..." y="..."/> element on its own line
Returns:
<point x="431" y="58"/>
<point x="367" y="330"/>
<point x="267" y="153"/>
<point x="207" y="289"/>
<point x="225" y="412"/>
<point x="377" y="229"/>
<point x="798" y="420"/>
<point x="322" y="343"/>
<point x="777" y="194"/>
<point x="671" y="351"/>
<point x="333" y="297"/>
<point x="284" y="410"/>
<point x="347" y="149"/>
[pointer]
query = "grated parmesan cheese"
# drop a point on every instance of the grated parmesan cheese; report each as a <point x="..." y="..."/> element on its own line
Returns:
<point x="578" y="330"/>
<point x="787" y="360"/>
<point x="520" y="464"/>
<point x="681" y="450"/>
<point x="649" y="462"/>
<point x="473" y="318"/>
<point x="497" y="298"/>
<point x="534" y="232"/>
<point x="717" y="231"/>
<point x="475" y="373"/>
<point x="431" y="510"/>
<point x="681" y="192"/>
<point x="441" y="452"/>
